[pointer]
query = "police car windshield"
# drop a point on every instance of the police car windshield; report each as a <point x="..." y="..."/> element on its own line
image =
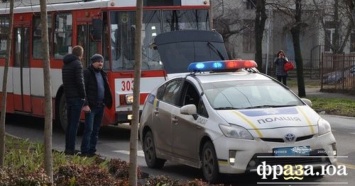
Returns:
<point x="247" y="94"/>
<point x="180" y="48"/>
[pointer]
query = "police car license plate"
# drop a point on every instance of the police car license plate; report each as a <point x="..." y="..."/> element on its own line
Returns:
<point x="292" y="151"/>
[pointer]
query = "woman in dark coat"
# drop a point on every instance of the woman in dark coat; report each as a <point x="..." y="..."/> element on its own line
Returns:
<point x="280" y="61"/>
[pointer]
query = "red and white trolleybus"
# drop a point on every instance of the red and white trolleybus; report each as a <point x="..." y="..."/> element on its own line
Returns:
<point x="100" y="26"/>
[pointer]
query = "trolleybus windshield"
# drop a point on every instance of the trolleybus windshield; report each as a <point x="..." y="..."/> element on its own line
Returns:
<point x="155" y="22"/>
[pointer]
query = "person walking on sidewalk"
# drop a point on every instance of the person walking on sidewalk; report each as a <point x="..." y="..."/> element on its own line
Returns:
<point x="98" y="96"/>
<point x="74" y="90"/>
<point x="280" y="61"/>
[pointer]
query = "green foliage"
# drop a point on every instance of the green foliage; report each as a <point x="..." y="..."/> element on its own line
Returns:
<point x="161" y="181"/>
<point x="334" y="106"/>
<point x="328" y="104"/>
<point x="23" y="155"/>
<point x="309" y="83"/>
<point x="24" y="167"/>
<point x="83" y="175"/>
<point x="21" y="177"/>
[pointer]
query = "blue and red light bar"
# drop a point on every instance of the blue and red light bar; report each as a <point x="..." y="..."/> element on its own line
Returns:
<point x="225" y="65"/>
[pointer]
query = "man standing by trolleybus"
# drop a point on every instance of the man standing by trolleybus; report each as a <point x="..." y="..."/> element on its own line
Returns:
<point x="98" y="96"/>
<point x="74" y="90"/>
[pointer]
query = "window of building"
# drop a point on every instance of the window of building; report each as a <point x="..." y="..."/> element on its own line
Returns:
<point x="329" y="35"/>
<point x="249" y="36"/>
<point x="62" y="35"/>
<point x="251" y="4"/>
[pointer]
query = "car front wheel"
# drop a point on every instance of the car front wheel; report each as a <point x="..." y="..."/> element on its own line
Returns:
<point x="209" y="163"/>
<point x="149" y="152"/>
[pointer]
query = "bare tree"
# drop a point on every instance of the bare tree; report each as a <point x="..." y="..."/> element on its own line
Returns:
<point x="292" y="13"/>
<point x="4" y="85"/>
<point x="337" y="16"/>
<point x="296" y="31"/>
<point x="48" y="118"/>
<point x="351" y="7"/>
<point x="136" y="95"/>
<point x="260" y="19"/>
<point x="228" y="22"/>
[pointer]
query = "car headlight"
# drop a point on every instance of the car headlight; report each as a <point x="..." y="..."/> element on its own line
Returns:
<point x="323" y="126"/>
<point x="129" y="99"/>
<point x="234" y="131"/>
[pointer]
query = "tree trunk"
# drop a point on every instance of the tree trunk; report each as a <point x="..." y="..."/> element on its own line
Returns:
<point x="136" y="95"/>
<point x="4" y="86"/>
<point x="295" y="31"/>
<point x="260" y="19"/>
<point x="48" y="119"/>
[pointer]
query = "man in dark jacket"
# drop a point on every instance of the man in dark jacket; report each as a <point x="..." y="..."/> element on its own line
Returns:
<point x="74" y="90"/>
<point x="98" y="96"/>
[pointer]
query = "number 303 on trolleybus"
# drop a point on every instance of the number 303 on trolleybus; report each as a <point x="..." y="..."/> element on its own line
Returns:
<point x="100" y="26"/>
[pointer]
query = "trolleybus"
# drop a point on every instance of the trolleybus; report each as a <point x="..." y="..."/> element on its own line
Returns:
<point x="100" y="26"/>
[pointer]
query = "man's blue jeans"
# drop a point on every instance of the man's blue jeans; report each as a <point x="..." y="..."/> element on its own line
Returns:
<point x="74" y="106"/>
<point x="91" y="130"/>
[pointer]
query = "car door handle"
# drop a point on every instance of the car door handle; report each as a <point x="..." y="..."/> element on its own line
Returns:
<point x="156" y="112"/>
<point x="174" y="120"/>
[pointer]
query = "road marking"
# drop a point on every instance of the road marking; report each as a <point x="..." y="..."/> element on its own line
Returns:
<point x="349" y="166"/>
<point x="140" y="153"/>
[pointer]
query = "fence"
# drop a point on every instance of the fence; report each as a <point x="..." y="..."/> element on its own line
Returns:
<point x="309" y="71"/>
<point x="338" y="72"/>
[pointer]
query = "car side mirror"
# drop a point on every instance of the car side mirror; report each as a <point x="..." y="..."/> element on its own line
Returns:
<point x="189" y="109"/>
<point x="307" y="101"/>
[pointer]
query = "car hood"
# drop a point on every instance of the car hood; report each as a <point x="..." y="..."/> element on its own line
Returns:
<point x="273" y="118"/>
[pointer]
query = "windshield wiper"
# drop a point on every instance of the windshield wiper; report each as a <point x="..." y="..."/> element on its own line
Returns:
<point x="268" y="106"/>
<point x="226" y="108"/>
<point x="215" y="50"/>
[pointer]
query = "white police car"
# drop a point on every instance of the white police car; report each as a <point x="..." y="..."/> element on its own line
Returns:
<point x="225" y="117"/>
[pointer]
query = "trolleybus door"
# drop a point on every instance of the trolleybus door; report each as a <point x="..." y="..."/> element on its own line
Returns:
<point x="85" y="40"/>
<point x="21" y="72"/>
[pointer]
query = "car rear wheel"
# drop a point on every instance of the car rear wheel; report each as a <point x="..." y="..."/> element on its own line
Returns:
<point x="149" y="152"/>
<point x="209" y="163"/>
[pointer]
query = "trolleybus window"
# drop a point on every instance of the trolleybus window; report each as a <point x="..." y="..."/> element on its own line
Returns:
<point x="155" y="22"/>
<point x="122" y="40"/>
<point x="4" y="29"/>
<point x="151" y="28"/>
<point x="62" y="35"/>
<point x="185" y="20"/>
<point x="37" y="36"/>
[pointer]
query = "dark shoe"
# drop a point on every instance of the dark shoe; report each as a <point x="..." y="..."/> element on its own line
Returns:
<point x="71" y="153"/>
<point x="88" y="155"/>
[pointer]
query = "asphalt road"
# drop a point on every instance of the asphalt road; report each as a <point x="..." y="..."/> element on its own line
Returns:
<point x="114" y="143"/>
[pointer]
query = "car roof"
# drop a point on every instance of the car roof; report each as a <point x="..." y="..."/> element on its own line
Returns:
<point x="241" y="75"/>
